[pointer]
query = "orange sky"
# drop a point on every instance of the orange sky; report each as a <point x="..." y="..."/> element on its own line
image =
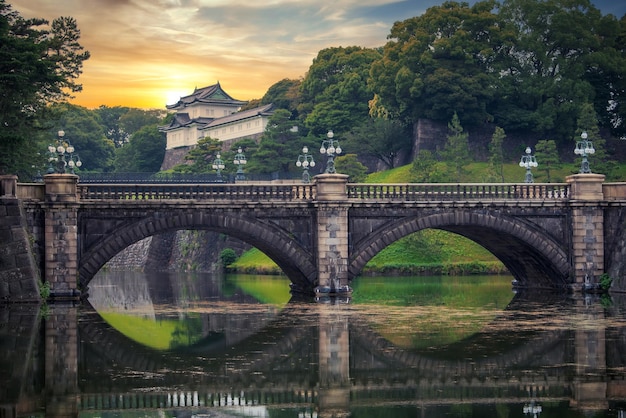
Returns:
<point x="148" y="53"/>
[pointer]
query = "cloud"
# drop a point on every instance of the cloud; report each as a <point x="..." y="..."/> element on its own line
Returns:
<point x="141" y="48"/>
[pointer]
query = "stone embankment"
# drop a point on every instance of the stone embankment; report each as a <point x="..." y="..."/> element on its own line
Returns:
<point x="176" y="251"/>
<point x="18" y="271"/>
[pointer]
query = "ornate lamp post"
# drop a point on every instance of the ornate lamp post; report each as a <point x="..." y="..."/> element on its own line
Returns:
<point x="584" y="148"/>
<point x="528" y="161"/>
<point x="218" y="166"/>
<point x="305" y="161"/>
<point x="331" y="148"/>
<point x="240" y="161"/>
<point x="62" y="156"/>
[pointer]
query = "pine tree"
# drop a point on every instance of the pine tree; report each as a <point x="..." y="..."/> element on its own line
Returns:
<point x="457" y="147"/>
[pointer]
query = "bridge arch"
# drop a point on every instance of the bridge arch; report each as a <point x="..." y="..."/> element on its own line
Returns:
<point x="297" y="263"/>
<point x="529" y="253"/>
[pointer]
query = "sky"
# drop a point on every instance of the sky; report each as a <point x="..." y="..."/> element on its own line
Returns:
<point x="149" y="53"/>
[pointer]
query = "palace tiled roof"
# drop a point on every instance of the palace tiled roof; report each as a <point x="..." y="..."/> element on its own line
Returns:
<point x="265" y="110"/>
<point x="210" y="94"/>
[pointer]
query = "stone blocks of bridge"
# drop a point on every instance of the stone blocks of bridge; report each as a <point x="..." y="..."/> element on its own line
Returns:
<point x="61" y="235"/>
<point x="587" y="230"/>
<point x="332" y="234"/>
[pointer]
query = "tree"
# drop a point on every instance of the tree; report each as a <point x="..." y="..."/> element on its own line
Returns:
<point x="37" y="67"/>
<point x="135" y="119"/>
<point x="200" y="157"/>
<point x="441" y="62"/>
<point x="279" y="146"/>
<point x="563" y="52"/>
<point x="457" y="147"/>
<point x="335" y="92"/>
<point x="348" y="164"/>
<point x="382" y="138"/>
<point x="496" y="157"/>
<point x="144" y="152"/>
<point x="588" y="122"/>
<point x="110" y="117"/>
<point x="284" y="95"/>
<point x="425" y="168"/>
<point x="548" y="155"/>
<point x="84" y="130"/>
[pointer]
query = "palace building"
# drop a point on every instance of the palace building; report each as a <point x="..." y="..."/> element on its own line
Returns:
<point x="210" y="112"/>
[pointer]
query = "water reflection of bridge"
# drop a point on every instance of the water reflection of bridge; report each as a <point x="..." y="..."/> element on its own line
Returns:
<point x="310" y="356"/>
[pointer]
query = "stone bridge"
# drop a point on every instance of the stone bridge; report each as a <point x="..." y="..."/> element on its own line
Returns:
<point x="560" y="236"/>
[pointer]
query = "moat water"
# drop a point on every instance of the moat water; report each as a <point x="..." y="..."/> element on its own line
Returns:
<point x="209" y="345"/>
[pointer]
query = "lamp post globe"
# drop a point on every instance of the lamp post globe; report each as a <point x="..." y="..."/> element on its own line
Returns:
<point x="62" y="155"/>
<point x="218" y="165"/>
<point x="305" y="160"/>
<point x="584" y="148"/>
<point x="330" y="147"/>
<point x="528" y="162"/>
<point x="240" y="161"/>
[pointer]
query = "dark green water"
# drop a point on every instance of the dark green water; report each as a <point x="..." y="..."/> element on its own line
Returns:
<point x="185" y="345"/>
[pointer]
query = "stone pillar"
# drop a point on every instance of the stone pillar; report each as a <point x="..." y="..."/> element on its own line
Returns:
<point x="587" y="230"/>
<point x="61" y="368"/>
<point x="334" y="361"/>
<point x="61" y="236"/>
<point x="332" y="235"/>
<point x="590" y="386"/>
<point x="8" y="185"/>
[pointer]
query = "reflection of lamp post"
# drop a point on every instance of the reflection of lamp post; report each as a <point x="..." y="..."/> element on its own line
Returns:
<point x="218" y="166"/>
<point x="528" y="161"/>
<point x="331" y="148"/>
<point x="305" y="161"/>
<point x="532" y="409"/>
<point x="240" y="161"/>
<point x="62" y="155"/>
<point x="583" y="148"/>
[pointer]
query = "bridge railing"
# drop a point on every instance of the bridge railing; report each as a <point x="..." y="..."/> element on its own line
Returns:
<point x="454" y="191"/>
<point x="254" y="192"/>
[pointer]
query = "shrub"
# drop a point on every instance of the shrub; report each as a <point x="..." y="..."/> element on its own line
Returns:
<point x="228" y="257"/>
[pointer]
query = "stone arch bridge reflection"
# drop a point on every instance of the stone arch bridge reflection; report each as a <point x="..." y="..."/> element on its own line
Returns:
<point x="324" y="356"/>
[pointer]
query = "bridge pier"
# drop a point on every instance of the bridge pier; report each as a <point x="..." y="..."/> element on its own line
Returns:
<point x="332" y="235"/>
<point x="587" y="230"/>
<point x="61" y="235"/>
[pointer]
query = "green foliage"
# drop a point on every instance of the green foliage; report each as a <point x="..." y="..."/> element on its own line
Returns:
<point x="348" y="164"/>
<point x="496" y="156"/>
<point x="335" y="92"/>
<point x="381" y="138"/>
<point x="200" y="157"/>
<point x="283" y="95"/>
<point x="143" y="153"/>
<point x="457" y="147"/>
<point x="278" y="147"/>
<point x="605" y="281"/>
<point x="39" y="66"/>
<point x="426" y="169"/>
<point x="84" y="130"/>
<point x="44" y="289"/>
<point x="522" y="64"/>
<point x="228" y="256"/>
<point x="600" y="161"/>
<point x="440" y="62"/>
<point x="547" y="157"/>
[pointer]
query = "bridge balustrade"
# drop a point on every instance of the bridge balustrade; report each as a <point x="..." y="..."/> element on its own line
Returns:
<point x="254" y="192"/>
<point x="454" y="191"/>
